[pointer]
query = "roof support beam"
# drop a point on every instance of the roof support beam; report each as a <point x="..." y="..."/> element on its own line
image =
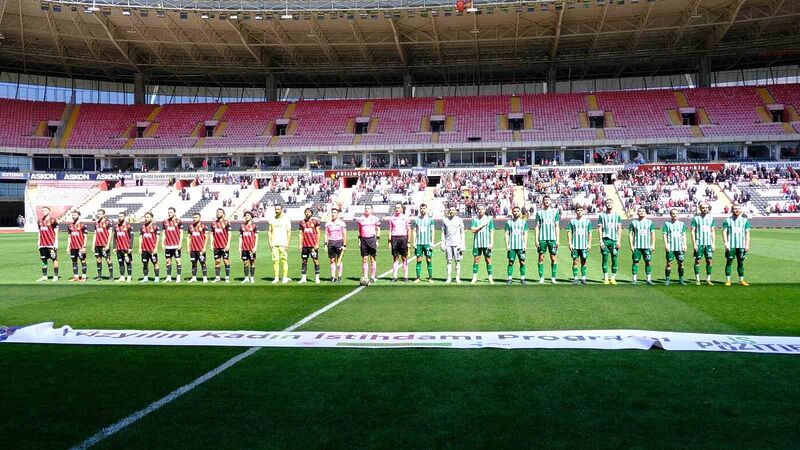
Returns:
<point x="246" y="42"/>
<point x="397" y="43"/>
<point x="689" y="14"/>
<point x="715" y="37"/>
<point x="641" y="26"/>
<point x="557" y="37"/>
<point x="279" y="34"/>
<point x="599" y="27"/>
<point x="322" y="40"/>
<point x="108" y="27"/>
<point x="22" y="35"/>
<point x="438" y="45"/>
<point x="362" y="47"/>
<point x="59" y="43"/>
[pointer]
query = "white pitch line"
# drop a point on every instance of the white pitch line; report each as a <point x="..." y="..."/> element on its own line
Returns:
<point x="158" y="404"/>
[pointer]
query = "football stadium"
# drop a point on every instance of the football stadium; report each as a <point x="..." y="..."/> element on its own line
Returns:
<point x="400" y="224"/>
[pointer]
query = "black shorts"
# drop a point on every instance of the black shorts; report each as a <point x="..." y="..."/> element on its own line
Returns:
<point x="399" y="246"/>
<point x="248" y="255"/>
<point x="101" y="252"/>
<point x="309" y="251"/>
<point x="76" y="254"/>
<point x="124" y="255"/>
<point x="150" y="257"/>
<point x="197" y="256"/>
<point x="46" y="253"/>
<point x="172" y="253"/>
<point x="221" y="253"/>
<point x="335" y="249"/>
<point x="369" y="246"/>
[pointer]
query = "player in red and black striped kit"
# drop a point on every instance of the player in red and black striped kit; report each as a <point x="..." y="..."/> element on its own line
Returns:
<point x="197" y="247"/>
<point x="248" y="243"/>
<point x="309" y="244"/>
<point x="172" y="229"/>
<point x="123" y="240"/>
<point x="148" y="247"/>
<point x="222" y="245"/>
<point x="102" y="244"/>
<point x="48" y="243"/>
<point x="77" y="246"/>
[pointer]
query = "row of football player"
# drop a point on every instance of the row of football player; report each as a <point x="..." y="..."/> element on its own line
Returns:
<point x="735" y="231"/>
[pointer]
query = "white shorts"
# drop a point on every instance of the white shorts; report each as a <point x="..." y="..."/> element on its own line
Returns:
<point x="453" y="253"/>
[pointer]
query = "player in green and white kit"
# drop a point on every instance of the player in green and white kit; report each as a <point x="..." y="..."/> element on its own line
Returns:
<point x="609" y="229"/>
<point x="579" y="234"/>
<point x="422" y="237"/>
<point x="704" y="240"/>
<point x="736" y="235"/>
<point x="516" y="243"/>
<point x="546" y="235"/>
<point x="675" y="245"/>
<point x="642" y="238"/>
<point x="453" y="242"/>
<point x="482" y="242"/>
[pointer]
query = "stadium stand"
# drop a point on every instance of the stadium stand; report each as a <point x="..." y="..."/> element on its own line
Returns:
<point x="23" y="123"/>
<point x="652" y="114"/>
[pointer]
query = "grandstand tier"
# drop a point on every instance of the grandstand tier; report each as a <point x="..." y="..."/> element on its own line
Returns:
<point x="729" y="112"/>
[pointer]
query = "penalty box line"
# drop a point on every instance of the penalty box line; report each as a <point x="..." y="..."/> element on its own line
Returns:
<point x="115" y="428"/>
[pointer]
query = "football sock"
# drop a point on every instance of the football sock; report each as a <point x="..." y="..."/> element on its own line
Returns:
<point x="253" y="272"/>
<point x="553" y="270"/>
<point x="395" y="267"/>
<point x="157" y="271"/>
<point x="681" y="273"/>
<point x="75" y="269"/>
<point x="489" y="269"/>
<point x="708" y="269"/>
<point x="614" y="263"/>
<point x="605" y="263"/>
<point x="728" y="266"/>
<point x="111" y="270"/>
<point x="99" y="269"/>
<point x="169" y="269"/>
<point x="145" y="269"/>
<point x="474" y="268"/>
<point x="667" y="273"/>
<point x="449" y="270"/>
<point x="364" y="269"/>
<point x="419" y="268"/>
<point x="204" y="269"/>
<point x="405" y="268"/>
<point x="227" y="270"/>
<point x="374" y="269"/>
<point x="510" y="270"/>
<point x="523" y="270"/>
<point x="575" y="271"/>
<point x="430" y="269"/>
<point x="130" y="268"/>
<point x="44" y="270"/>
<point x="740" y="269"/>
<point x="216" y="271"/>
<point x="316" y="268"/>
<point x="341" y="268"/>
<point x="697" y="269"/>
<point x="83" y="268"/>
<point x="55" y="271"/>
<point x="648" y="269"/>
<point x="333" y="270"/>
<point x="541" y="270"/>
<point x="304" y="267"/>
<point x="194" y="270"/>
<point x="179" y="268"/>
<point x="583" y="271"/>
<point x="635" y="269"/>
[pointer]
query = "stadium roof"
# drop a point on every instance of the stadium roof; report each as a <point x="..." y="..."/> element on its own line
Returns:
<point x="369" y="44"/>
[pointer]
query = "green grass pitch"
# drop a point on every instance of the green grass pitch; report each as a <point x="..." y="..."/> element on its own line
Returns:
<point x="54" y="396"/>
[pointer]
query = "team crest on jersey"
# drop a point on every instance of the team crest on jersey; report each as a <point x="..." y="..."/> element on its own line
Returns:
<point x="5" y="332"/>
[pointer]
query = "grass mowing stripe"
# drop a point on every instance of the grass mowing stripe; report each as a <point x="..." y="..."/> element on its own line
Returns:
<point x="138" y="415"/>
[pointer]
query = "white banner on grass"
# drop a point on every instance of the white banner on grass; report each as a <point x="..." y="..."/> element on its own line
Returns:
<point x="44" y="333"/>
